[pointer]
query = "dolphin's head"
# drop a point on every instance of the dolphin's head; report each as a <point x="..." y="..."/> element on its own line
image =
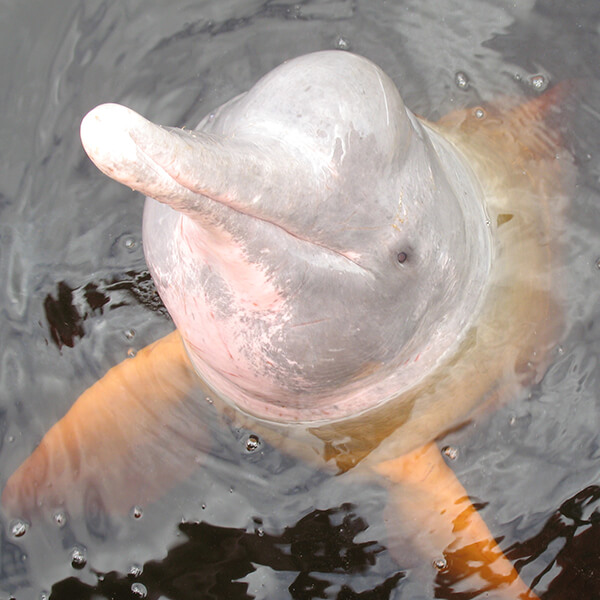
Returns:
<point x="319" y="248"/>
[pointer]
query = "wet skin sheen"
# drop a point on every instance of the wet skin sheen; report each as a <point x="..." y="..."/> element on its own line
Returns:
<point x="346" y="279"/>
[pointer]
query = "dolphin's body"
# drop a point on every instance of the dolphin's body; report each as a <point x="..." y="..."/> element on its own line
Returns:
<point x="330" y="260"/>
<point x="274" y="233"/>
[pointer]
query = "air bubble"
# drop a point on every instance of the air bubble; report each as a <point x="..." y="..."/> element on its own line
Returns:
<point x="450" y="452"/>
<point x="130" y="243"/>
<point x="252" y="443"/>
<point x="598" y="264"/>
<point x="44" y="595"/>
<point x="342" y="43"/>
<point x="130" y="334"/>
<point x="538" y="82"/>
<point x="139" y="590"/>
<point x="203" y="507"/>
<point x="440" y="564"/>
<point x="59" y="518"/>
<point x="10" y="439"/>
<point x="479" y="113"/>
<point x="18" y="528"/>
<point x="135" y="570"/>
<point x="137" y="512"/>
<point x="78" y="557"/>
<point x="462" y="80"/>
<point x="131" y="352"/>
<point x="260" y="532"/>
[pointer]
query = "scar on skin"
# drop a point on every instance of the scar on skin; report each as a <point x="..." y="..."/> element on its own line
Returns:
<point x="398" y="218"/>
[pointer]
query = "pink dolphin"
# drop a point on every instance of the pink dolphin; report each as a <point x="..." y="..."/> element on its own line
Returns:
<point x="343" y="275"/>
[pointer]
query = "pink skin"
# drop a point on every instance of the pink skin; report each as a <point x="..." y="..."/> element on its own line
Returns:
<point x="217" y="342"/>
<point x="273" y="234"/>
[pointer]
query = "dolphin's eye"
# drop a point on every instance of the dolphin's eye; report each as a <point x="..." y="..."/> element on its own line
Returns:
<point x="402" y="257"/>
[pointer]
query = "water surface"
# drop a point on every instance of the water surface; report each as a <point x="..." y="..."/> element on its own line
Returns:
<point x="76" y="298"/>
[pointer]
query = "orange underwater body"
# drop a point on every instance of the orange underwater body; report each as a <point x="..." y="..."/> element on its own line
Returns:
<point x="107" y="442"/>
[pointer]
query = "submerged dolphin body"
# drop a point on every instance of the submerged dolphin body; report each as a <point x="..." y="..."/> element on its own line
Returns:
<point x="329" y="260"/>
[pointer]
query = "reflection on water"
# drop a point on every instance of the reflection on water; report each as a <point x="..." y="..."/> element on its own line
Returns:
<point x="318" y="553"/>
<point x="66" y="312"/>
<point x="73" y="291"/>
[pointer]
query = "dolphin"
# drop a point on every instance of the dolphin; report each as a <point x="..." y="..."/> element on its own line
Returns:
<point x="346" y="278"/>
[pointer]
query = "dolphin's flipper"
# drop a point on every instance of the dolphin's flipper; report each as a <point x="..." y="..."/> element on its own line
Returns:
<point x="425" y="491"/>
<point x="125" y="440"/>
<point x="132" y="435"/>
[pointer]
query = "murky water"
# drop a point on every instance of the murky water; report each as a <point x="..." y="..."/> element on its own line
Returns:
<point x="76" y="299"/>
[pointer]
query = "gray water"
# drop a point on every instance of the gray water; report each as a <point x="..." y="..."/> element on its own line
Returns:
<point x="533" y="464"/>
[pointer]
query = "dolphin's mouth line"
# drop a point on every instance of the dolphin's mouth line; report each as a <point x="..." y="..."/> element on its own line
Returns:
<point x="191" y="194"/>
<point x="341" y="255"/>
<point x="304" y="240"/>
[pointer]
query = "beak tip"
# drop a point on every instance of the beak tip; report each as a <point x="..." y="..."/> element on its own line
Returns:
<point x="105" y="135"/>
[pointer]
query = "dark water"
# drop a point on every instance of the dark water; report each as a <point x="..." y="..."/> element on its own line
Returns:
<point x="76" y="298"/>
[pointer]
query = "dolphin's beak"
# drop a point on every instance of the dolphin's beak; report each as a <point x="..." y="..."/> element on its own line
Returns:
<point x="183" y="168"/>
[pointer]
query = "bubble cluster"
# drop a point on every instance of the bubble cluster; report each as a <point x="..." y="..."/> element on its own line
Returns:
<point x="294" y="12"/>
<point x="135" y="570"/>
